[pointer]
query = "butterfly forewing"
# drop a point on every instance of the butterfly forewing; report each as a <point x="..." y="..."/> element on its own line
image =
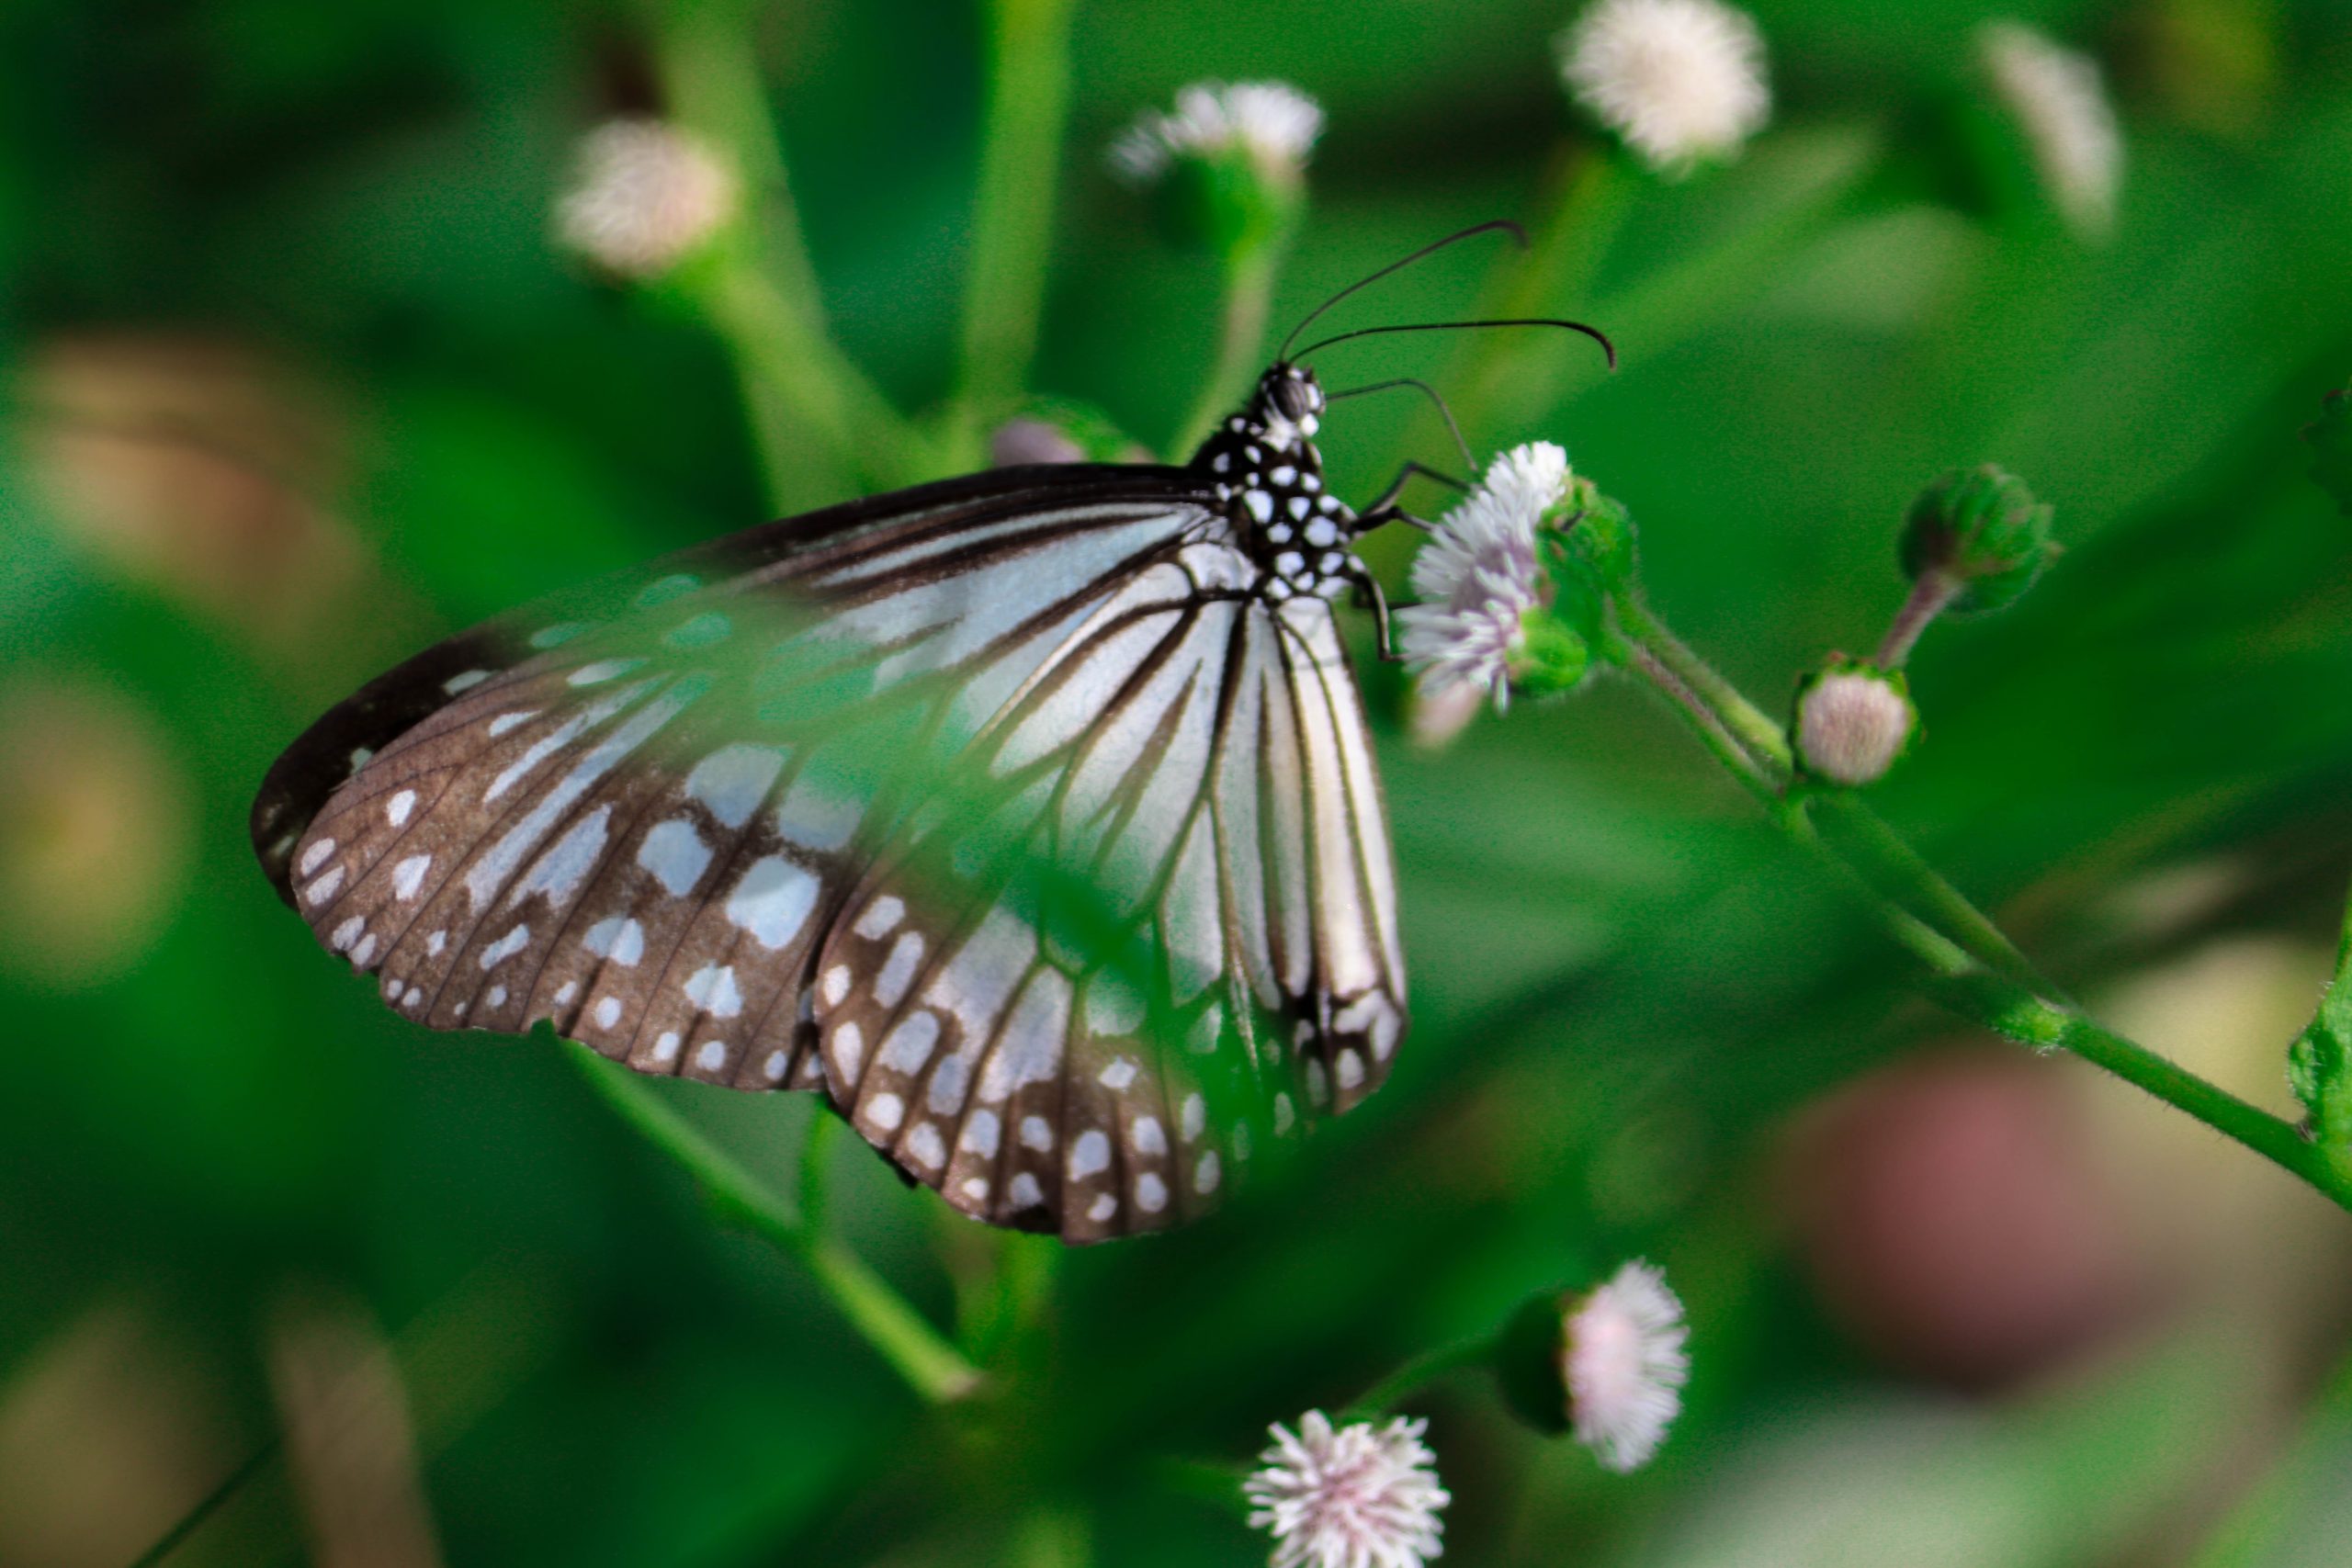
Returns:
<point x="1004" y="810"/>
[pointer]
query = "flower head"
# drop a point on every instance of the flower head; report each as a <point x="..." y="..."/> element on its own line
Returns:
<point x="1852" y="722"/>
<point x="1681" y="81"/>
<point x="1272" y="124"/>
<point x="644" y="195"/>
<point x="1621" y="1358"/>
<point x="1360" y="1496"/>
<point x="2061" y="103"/>
<point x="1478" y="576"/>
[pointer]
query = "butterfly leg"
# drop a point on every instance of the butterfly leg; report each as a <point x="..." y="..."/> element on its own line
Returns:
<point x="1368" y="594"/>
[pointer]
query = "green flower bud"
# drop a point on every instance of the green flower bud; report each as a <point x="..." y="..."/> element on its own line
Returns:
<point x="2332" y="438"/>
<point x="1550" y="658"/>
<point x="1853" y="721"/>
<point x="1606" y="1363"/>
<point x="1062" y="429"/>
<point x="1228" y="169"/>
<point x="1981" y="527"/>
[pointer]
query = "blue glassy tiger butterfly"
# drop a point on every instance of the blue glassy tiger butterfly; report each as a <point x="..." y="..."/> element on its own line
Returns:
<point x="1030" y="815"/>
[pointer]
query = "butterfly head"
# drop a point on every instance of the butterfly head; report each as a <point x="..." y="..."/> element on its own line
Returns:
<point x="1267" y="477"/>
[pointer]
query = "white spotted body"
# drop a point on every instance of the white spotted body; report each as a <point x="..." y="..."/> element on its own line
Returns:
<point x="1267" y="477"/>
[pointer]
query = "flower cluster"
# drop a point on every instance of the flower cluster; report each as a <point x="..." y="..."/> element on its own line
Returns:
<point x="1271" y="123"/>
<point x="1679" y="82"/>
<point x="644" y="196"/>
<point x="1479" y="577"/>
<point x="1353" y="1496"/>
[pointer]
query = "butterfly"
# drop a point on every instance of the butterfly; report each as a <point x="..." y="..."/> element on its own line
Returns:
<point x="1031" y="817"/>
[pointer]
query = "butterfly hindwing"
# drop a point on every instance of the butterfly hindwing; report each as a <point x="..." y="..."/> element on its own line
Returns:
<point x="1074" y="1008"/>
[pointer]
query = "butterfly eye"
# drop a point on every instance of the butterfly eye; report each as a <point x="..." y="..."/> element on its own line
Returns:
<point x="1293" y="397"/>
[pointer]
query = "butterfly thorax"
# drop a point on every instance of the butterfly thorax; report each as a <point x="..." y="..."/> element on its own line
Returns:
<point x="1268" y="477"/>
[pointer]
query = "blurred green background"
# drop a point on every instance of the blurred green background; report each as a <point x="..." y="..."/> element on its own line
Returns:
<point x="296" y="383"/>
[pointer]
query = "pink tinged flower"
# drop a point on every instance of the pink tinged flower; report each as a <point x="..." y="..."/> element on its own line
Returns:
<point x="1679" y="82"/>
<point x="1852" y="725"/>
<point x="1358" y="1496"/>
<point x="644" y="196"/>
<point x="1623" y="1359"/>
<point x="1478" y="576"/>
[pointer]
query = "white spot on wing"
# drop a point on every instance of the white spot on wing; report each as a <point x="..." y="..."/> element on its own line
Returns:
<point x="674" y="851"/>
<point x="885" y="1112"/>
<point x="898" y="969"/>
<point x="408" y="877"/>
<point x="315" y="856"/>
<point x="732" y="781"/>
<point x="712" y="988"/>
<point x="608" y="1012"/>
<point x="620" y="939"/>
<point x="771" y="901"/>
<point x="883" y="914"/>
<point x="505" y="947"/>
<point x="397" y="809"/>
<point x="1089" y="1155"/>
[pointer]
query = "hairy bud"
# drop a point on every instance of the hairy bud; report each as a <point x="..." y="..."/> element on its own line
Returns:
<point x="1980" y="528"/>
<point x="1852" y="722"/>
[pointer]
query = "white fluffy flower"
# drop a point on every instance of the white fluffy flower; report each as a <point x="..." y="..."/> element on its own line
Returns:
<point x="643" y="195"/>
<point x="2060" y="100"/>
<point x="1679" y="80"/>
<point x="1360" y="1497"/>
<point x="1621" y="1358"/>
<point x="1479" y="575"/>
<point x="1273" y="122"/>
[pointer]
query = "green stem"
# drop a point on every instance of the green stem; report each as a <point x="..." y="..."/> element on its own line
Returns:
<point x="1978" y="972"/>
<point x="762" y="289"/>
<point x="1585" y="196"/>
<point x="1248" y="296"/>
<point x="1413" y="1376"/>
<point x="914" y="1349"/>
<point x="2250" y="1535"/>
<point x="1013" y="213"/>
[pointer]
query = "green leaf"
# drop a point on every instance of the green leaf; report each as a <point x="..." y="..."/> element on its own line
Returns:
<point x="2331" y="439"/>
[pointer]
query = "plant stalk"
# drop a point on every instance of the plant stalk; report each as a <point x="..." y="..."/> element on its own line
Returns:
<point x="914" y="1349"/>
<point x="1013" y="213"/>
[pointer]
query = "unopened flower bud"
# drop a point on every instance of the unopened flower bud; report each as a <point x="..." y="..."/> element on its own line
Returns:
<point x="1060" y="429"/>
<point x="1606" y="1364"/>
<point x="644" y="196"/>
<point x="1982" y="528"/>
<point x="1852" y="722"/>
<point x="1227" y="169"/>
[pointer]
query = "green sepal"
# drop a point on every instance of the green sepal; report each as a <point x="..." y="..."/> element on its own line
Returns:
<point x="1551" y="656"/>
<point x="1600" y="535"/>
<point x="1982" y="526"/>
<point x="2331" y="439"/>
<point x="1527" y="1364"/>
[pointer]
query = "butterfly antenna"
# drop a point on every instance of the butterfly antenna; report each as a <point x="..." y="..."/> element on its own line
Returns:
<point x="1595" y="334"/>
<point x="1516" y="233"/>
<point x="1428" y="392"/>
